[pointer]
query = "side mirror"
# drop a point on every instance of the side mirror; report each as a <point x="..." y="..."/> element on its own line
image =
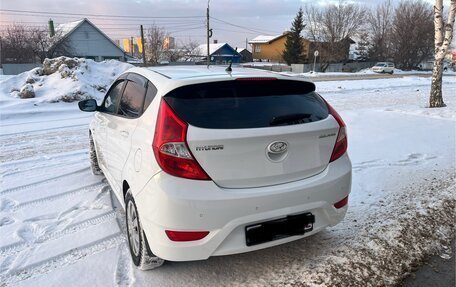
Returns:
<point x="89" y="105"/>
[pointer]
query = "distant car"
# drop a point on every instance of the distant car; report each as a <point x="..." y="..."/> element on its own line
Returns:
<point x="384" y="67"/>
<point x="208" y="162"/>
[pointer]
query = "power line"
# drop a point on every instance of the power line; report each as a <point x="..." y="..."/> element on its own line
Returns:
<point x="75" y="18"/>
<point x="246" y="28"/>
<point x="235" y="31"/>
<point x="180" y="31"/>
<point x="7" y="11"/>
<point x="162" y="20"/>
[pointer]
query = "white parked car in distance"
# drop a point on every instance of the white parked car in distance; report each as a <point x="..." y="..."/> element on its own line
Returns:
<point x="384" y="67"/>
<point x="208" y="162"/>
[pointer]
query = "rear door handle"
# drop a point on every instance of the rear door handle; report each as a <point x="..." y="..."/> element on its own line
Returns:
<point x="124" y="134"/>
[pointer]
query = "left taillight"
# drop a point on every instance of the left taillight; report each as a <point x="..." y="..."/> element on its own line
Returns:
<point x="170" y="146"/>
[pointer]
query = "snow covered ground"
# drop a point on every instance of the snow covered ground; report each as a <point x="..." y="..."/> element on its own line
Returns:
<point x="59" y="224"/>
<point x="361" y="73"/>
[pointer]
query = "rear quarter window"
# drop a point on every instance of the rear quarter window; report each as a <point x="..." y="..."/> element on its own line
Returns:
<point x="247" y="104"/>
<point x="132" y="100"/>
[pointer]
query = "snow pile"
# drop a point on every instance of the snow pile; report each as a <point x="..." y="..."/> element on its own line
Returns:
<point x="26" y="92"/>
<point x="63" y="79"/>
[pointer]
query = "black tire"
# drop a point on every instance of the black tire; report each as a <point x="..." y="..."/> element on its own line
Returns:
<point x="140" y="253"/>
<point x="96" y="170"/>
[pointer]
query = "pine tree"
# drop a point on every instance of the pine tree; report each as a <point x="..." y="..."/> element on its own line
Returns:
<point x="293" y="46"/>
<point x="363" y="46"/>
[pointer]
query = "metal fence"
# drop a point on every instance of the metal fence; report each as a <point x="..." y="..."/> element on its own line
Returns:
<point x="337" y="67"/>
<point x="15" y="69"/>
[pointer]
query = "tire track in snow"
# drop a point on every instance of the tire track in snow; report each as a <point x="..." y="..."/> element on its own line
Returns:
<point x="51" y="179"/>
<point x="17" y="170"/>
<point x="124" y="275"/>
<point x="42" y="159"/>
<point x="47" y="121"/>
<point x="87" y="188"/>
<point x="124" y="271"/>
<point x="73" y="228"/>
<point x="43" y="130"/>
<point x="47" y="143"/>
<point x="64" y="259"/>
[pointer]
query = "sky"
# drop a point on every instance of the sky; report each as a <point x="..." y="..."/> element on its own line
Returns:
<point x="233" y="21"/>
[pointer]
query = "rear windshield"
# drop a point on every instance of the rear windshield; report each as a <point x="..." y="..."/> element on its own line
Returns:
<point x="247" y="104"/>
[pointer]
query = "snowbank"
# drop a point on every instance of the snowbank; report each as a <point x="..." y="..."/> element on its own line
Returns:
<point x="64" y="79"/>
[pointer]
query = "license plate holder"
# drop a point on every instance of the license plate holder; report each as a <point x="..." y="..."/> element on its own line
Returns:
<point x="290" y="225"/>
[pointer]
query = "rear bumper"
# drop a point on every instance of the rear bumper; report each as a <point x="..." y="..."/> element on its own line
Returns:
<point x="170" y="203"/>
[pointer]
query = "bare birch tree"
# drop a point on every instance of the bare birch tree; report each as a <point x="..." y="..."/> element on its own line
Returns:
<point x="442" y="41"/>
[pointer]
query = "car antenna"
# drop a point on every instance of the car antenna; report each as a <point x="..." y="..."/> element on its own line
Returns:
<point x="228" y="69"/>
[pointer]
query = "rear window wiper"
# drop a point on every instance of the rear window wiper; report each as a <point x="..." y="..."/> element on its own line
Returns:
<point x="291" y="119"/>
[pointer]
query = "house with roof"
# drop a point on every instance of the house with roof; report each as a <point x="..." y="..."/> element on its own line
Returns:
<point x="219" y="53"/>
<point x="270" y="48"/>
<point x="246" y="55"/>
<point x="86" y="40"/>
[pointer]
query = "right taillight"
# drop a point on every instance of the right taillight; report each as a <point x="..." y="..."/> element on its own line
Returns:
<point x="170" y="146"/>
<point x="341" y="143"/>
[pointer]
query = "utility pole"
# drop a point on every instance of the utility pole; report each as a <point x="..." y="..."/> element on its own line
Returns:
<point x="208" y="31"/>
<point x="246" y="43"/>
<point x="1" y="52"/>
<point x="132" y="46"/>
<point x="143" y="46"/>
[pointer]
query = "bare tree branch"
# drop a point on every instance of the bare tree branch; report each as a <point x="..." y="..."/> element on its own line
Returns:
<point x="330" y="29"/>
<point x="155" y="37"/>
<point x="412" y="34"/>
<point x="380" y="23"/>
<point x="22" y="44"/>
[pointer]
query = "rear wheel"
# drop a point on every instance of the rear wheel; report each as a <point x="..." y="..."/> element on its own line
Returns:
<point x="96" y="170"/>
<point x="142" y="257"/>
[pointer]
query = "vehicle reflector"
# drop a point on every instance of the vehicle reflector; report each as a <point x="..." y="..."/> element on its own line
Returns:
<point x="186" y="235"/>
<point x="341" y="203"/>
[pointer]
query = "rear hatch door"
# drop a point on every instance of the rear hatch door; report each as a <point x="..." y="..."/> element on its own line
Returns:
<point x="253" y="133"/>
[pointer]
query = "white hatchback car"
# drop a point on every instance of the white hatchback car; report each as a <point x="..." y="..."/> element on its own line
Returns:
<point x="208" y="162"/>
<point x="384" y="67"/>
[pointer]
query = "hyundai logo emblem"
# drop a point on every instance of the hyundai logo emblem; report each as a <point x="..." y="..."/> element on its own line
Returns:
<point x="277" y="147"/>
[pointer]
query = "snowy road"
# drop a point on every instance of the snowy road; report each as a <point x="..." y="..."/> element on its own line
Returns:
<point x="60" y="225"/>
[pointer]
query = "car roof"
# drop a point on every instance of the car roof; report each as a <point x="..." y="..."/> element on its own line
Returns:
<point x="169" y="77"/>
<point x="185" y="72"/>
